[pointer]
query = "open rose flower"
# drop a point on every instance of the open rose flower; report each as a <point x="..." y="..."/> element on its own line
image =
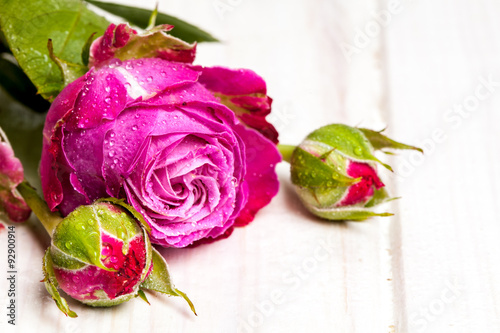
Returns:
<point x="335" y="172"/>
<point x="163" y="134"/>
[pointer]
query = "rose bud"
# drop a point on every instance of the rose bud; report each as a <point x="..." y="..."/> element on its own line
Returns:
<point x="334" y="171"/>
<point x="163" y="135"/>
<point x="11" y="175"/>
<point x="100" y="254"/>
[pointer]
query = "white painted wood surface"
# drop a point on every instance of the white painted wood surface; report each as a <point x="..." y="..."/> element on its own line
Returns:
<point x="433" y="267"/>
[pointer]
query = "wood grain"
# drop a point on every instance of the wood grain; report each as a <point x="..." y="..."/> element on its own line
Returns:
<point x="433" y="267"/>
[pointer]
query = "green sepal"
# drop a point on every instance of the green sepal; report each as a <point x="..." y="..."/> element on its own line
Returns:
<point x="51" y="286"/>
<point x="69" y="71"/>
<point x="150" y="44"/>
<point x="353" y="213"/>
<point x="142" y="18"/>
<point x="380" y="141"/>
<point x="379" y="196"/>
<point x="310" y="171"/>
<point x="152" y="18"/>
<point x="79" y="236"/>
<point x="86" y="50"/>
<point x="142" y="296"/>
<point x="121" y="202"/>
<point x="62" y="260"/>
<point x="321" y="197"/>
<point x="346" y="140"/>
<point x="159" y="280"/>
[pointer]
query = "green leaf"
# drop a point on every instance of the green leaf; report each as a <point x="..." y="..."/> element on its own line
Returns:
<point x="141" y="18"/>
<point x="159" y="280"/>
<point x="380" y="141"/>
<point x="28" y="27"/>
<point x="19" y="86"/>
<point x="51" y="286"/>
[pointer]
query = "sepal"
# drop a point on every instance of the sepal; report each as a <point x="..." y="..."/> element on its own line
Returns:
<point x="380" y="141"/>
<point x="159" y="280"/>
<point x="51" y="285"/>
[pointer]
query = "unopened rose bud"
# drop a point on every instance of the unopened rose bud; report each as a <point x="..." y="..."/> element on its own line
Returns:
<point x="100" y="254"/>
<point x="11" y="175"/>
<point x="335" y="172"/>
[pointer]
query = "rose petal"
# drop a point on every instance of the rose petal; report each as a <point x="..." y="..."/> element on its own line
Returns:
<point x="364" y="189"/>
<point x="11" y="175"/>
<point x="261" y="159"/>
<point x="123" y="42"/>
<point x="244" y="92"/>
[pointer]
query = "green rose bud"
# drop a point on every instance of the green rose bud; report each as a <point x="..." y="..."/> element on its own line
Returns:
<point x="100" y="254"/>
<point x="334" y="171"/>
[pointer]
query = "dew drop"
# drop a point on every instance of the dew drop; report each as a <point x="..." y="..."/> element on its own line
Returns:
<point x="106" y="250"/>
<point x="134" y="128"/>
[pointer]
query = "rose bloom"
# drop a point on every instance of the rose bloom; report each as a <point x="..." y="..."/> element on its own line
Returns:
<point x="164" y="135"/>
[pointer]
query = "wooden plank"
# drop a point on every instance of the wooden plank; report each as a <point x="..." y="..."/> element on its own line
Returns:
<point x="438" y="54"/>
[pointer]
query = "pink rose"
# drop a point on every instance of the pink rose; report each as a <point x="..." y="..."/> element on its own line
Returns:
<point x="11" y="175"/>
<point x="155" y="131"/>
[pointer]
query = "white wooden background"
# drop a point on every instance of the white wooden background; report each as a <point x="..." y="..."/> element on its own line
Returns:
<point x="431" y="74"/>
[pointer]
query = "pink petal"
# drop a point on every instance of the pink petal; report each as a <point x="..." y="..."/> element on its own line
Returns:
<point x="244" y="92"/>
<point x="11" y="175"/>
<point x="261" y="159"/>
<point x="123" y="42"/>
<point x="363" y="190"/>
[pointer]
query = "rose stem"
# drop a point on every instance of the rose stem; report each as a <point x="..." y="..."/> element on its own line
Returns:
<point x="49" y="219"/>
<point x="286" y="152"/>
